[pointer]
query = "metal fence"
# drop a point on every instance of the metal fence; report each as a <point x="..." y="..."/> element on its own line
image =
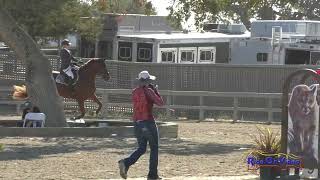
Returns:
<point x="178" y="77"/>
<point x="204" y="77"/>
<point x="170" y="109"/>
<point x="202" y="106"/>
<point x="182" y="77"/>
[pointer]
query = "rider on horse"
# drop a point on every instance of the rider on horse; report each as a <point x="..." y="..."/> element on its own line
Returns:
<point x="66" y="64"/>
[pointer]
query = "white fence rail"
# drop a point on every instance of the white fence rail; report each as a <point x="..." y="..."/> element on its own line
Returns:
<point x="201" y="107"/>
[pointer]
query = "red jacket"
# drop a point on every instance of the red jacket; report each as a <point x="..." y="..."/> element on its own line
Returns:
<point x="143" y="99"/>
<point x="318" y="72"/>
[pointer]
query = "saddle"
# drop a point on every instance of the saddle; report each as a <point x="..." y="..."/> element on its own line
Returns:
<point x="62" y="78"/>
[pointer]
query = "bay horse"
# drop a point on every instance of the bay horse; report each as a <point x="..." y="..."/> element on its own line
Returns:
<point x="84" y="88"/>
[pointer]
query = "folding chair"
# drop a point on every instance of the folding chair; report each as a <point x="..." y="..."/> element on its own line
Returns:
<point x="34" y="118"/>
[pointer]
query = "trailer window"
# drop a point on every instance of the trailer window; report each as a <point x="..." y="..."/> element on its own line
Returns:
<point x="205" y="55"/>
<point x="187" y="56"/>
<point x="167" y="56"/>
<point x="145" y="53"/>
<point x="125" y="52"/>
<point x="262" y="57"/>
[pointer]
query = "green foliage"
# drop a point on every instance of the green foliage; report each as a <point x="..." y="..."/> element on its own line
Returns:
<point x="301" y="9"/>
<point x="1" y="147"/>
<point x="242" y="11"/>
<point x="266" y="142"/>
<point x="32" y="15"/>
<point x="124" y="6"/>
<point x="57" y="18"/>
<point x="149" y="9"/>
<point x="203" y="9"/>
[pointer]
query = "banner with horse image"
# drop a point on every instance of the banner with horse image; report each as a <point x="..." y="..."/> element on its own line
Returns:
<point x="303" y="109"/>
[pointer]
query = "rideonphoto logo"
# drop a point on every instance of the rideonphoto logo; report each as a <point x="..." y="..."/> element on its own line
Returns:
<point x="280" y="160"/>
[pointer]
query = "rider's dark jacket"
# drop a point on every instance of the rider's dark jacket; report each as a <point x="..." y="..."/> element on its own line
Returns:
<point x="66" y="57"/>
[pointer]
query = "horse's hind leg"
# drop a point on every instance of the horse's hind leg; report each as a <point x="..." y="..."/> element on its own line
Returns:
<point x="82" y="110"/>
<point x="95" y="99"/>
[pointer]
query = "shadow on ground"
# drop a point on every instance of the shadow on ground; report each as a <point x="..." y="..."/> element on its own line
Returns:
<point x="55" y="146"/>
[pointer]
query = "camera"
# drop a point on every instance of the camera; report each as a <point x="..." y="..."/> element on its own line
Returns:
<point x="153" y="86"/>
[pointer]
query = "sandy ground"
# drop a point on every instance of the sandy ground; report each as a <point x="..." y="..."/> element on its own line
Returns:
<point x="202" y="150"/>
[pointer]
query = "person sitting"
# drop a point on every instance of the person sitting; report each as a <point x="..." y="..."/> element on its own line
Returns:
<point x="35" y="109"/>
<point x="36" y="118"/>
<point x="26" y="109"/>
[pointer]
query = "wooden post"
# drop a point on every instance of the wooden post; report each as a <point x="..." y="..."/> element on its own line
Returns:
<point x="105" y="101"/>
<point x="235" y="109"/>
<point x="201" y="111"/>
<point x="134" y="51"/>
<point x="155" y="52"/>
<point x="168" y="113"/>
<point x="115" y="50"/>
<point x="18" y="108"/>
<point x="270" y="113"/>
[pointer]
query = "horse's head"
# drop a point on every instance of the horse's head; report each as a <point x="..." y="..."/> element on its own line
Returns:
<point x="101" y="68"/>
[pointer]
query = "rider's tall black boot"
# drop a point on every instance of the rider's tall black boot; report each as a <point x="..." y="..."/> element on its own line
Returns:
<point x="72" y="89"/>
<point x="70" y="85"/>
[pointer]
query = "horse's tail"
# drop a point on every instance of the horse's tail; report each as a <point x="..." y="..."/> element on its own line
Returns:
<point x="19" y="92"/>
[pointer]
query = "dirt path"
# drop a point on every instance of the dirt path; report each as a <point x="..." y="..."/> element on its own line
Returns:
<point x="202" y="150"/>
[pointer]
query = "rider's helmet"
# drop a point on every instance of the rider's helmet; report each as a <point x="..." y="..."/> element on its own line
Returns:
<point x="65" y="42"/>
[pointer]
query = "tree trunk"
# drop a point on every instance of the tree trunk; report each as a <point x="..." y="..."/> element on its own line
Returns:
<point x="40" y="83"/>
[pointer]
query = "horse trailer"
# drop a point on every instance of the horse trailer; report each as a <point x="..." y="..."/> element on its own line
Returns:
<point x="188" y="47"/>
<point x="279" y="42"/>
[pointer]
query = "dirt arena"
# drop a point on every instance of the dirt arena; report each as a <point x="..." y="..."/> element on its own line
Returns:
<point x="202" y="150"/>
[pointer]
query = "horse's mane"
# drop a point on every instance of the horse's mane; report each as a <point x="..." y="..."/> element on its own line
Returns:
<point x="85" y="65"/>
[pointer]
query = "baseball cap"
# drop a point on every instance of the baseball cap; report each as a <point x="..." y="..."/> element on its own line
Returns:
<point x="144" y="75"/>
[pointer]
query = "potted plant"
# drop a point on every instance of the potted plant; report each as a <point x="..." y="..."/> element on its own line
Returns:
<point x="266" y="144"/>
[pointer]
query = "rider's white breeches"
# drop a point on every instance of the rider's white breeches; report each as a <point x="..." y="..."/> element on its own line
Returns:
<point x="68" y="71"/>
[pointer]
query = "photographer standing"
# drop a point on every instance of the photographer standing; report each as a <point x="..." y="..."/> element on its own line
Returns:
<point x="145" y="128"/>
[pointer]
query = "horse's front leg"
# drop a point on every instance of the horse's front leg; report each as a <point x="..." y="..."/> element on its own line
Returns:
<point x="81" y="108"/>
<point x="95" y="99"/>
